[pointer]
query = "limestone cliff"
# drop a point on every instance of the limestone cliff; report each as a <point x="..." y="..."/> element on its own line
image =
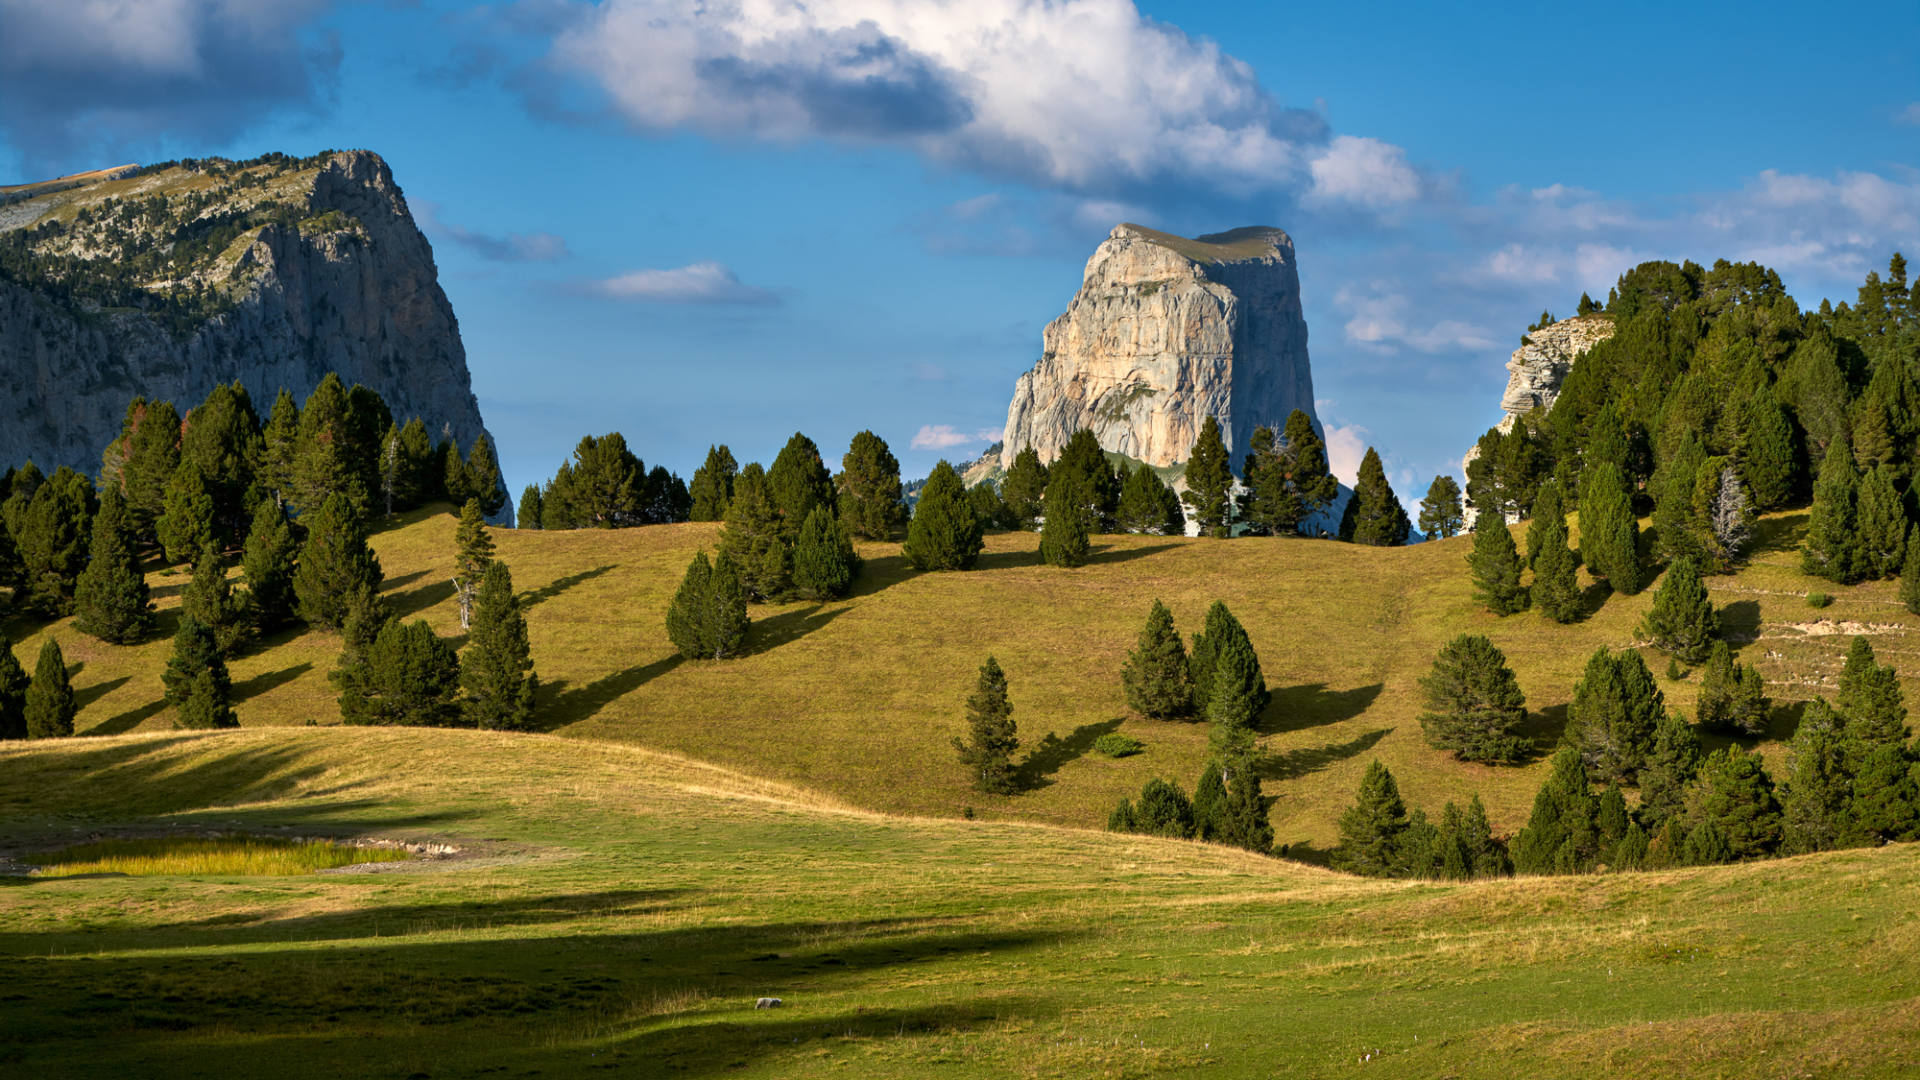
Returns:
<point x="168" y="280"/>
<point x="1163" y="333"/>
<point x="1539" y="366"/>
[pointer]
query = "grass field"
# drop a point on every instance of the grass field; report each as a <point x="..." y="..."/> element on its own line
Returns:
<point x="616" y="911"/>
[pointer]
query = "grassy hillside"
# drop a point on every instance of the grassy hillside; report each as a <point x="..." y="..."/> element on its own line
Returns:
<point x="616" y="909"/>
<point x="859" y="698"/>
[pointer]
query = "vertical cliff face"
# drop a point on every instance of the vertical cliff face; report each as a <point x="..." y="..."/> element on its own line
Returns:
<point x="1538" y="368"/>
<point x="166" y="282"/>
<point x="1163" y="333"/>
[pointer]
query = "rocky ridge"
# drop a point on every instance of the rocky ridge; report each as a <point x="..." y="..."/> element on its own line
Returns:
<point x="1538" y="368"/>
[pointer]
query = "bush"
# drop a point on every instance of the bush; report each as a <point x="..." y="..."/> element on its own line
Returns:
<point x="1818" y="599"/>
<point x="1115" y="745"/>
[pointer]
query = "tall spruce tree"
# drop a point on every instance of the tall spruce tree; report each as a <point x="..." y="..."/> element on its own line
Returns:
<point x="1556" y="585"/>
<point x="1615" y="711"/>
<point x="222" y="438"/>
<point x="992" y="735"/>
<point x="1374" y="515"/>
<point x="336" y="566"/>
<point x="1064" y="539"/>
<point x="712" y="485"/>
<point x="869" y="486"/>
<point x="1371" y="829"/>
<point x="1817" y="797"/>
<point x="1157" y="679"/>
<point x="1870" y="698"/>
<point x="1609" y="534"/>
<point x="1562" y="835"/>
<point x="823" y="558"/>
<point x="1474" y="702"/>
<point x="1025" y="487"/>
<point x="13" y="693"/>
<point x="1209" y="481"/>
<point x="1831" y="548"/>
<point x="152" y="455"/>
<point x="1681" y="620"/>
<point x="199" y="689"/>
<point x="50" y="708"/>
<point x="1733" y="699"/>
<point x="1671" y="765"/>
<point x="53" y="542"/>
<point x="473" y="553"/>
<point x="483" y="477"/>
<point x="497" y="668"/>
<point x="1148" y="505"/>
<point x="1881" y="525"/>
<point x="1495" y="563"/>
<point x="1203" y="660"/>
<point x="798" y="480"/>
<point x="1237" y="691"/>
<point x="209" y="601"/>
<point x="1674" y="532"/>
<point x="408" y="675"/>
<point x="325" y="462"/>
<point x="186" y="524"/>
<point x="110" y="597"/>
<point x="707" y="619"/>
<point x="280" y="448"/>
<point x="528" y="512"/>
<point x="753" y="538"/>
<point x="944" y="534"/>
<point x="1083" y="455"/>
<point x="266" y="565"/>
<point x="1440" y="512"/>
<point x="1770" y="454"/>
<point x="1738" y="800"/>
<point x="1304" y="455"/>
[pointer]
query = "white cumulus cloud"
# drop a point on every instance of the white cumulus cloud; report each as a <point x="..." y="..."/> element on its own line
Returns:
<point x="946" y="436"/>
<point x="695" y="283"/>
<point x="1346" y="446"/>
<point x="1363" y="172"/>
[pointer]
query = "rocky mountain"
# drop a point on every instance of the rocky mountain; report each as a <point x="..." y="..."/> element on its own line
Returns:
<point x="167" y="280"/>
<point x="1164" y="332"/>
<point x="1539" y="366"/>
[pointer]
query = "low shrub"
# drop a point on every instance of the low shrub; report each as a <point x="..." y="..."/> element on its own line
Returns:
<point x="1115" y="745"/>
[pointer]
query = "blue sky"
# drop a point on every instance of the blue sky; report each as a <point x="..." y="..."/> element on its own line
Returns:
<point x="724" y="222"/>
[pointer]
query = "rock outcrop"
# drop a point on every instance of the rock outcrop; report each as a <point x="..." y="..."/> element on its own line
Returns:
<point x="272" y="272"/>
<point x="1538" y="368"/>
<point x="1163" y="333"/>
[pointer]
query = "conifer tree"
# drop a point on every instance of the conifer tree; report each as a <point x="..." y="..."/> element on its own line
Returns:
<point x="1156" y="675"/>
<point x="1818" y="794"/>
<point x="13" y="693"/>
<point x="1733" y="699"/>
<point x="9" y="554"/>
<point x="1681" y="621"/>
<point x="280" y="450"/>
<point x="1609" y="534"/>
<point x="1083" y="455"/>
<point x="1025" y="487"/>
<point x="1486" y="855"/>
<point x="1440" y="512"/>
<point x="1870" y="698"/>
<point x="1831" y="549"/>
<point x="222" y="438"/>
<point x="407" y="675"/>
<point x="335" y="564"/>
<point x="707" y="619"/>
<point x="1203" y="660"/>
<point x="1148" y="505"/>
<point x="1738" y="800"/>
<point x="1269" y="506"/>
<point x="1676" y="528"/>
<point x="483" y="477"/>
<point x="753" y="538"/>
<point x="1476" y="707"/>
<point x="798" y="481"/>
<point x="1672" y="763"/>
<point x="1885" y="803"/>
<point x="1374" y="515"/>
<point x="1209" y="481"/>
<point x="419" y="480"/>
<point x="992" y="735"/>
<point x="1371" y="829"/>
<point x="209" y="601"/>
<point x="50" y="707"/>
<point x="1064" y="539"/>
<point x="1556" y="586"/>
<point x="1496" y="567"/>
<point x="473" y="553"/>
<point x="604" y="483"/>
<point x="1237" y="691"/>
<point x="527" y="513"/>
<point x="1705" y="845"/>
<point x="988" y="509"/>
<point x="198" y="686"/>
<point x="1722" y="516"/>
<point x="1610" y="817"/>
<point x="944" y="534"/>
<point x="823" y="558"/>
<point x="1163" y="810"/>
<point x="1562" y="835"/>
<point x="324" y="462"/>
<point x="1881" y="525"/>
<point x="1615" y="712"/>
<point x="497" y="668"/>
<point x="1910" y="573"/>
<point x="712" y="485"/>
<point x="1209" y="804"/>
<point x="1769" y="454"/>
<point x="1304" y="458"/>
<point x="186" y="522"/>
<point x="393" y="477"/>
<point x="454" y="482"/>
<point x="152" y="457"/>
<point x="1450" y="859"/>
<point x="54" y="541"/>
<point x="110" y="597"/>
<point x="266" y="565"/>
<point x="1241" y="815"/>
<point x="869" y="486"/>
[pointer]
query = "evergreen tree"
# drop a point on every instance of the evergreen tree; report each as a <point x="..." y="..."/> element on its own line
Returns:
<point x="1486" y="855"/>
<point x="1738" y="801"/>
<point x="1769" y="455"/>
<point x="1722" y="515"/>
<point x="604" y="483"/>
<point x="13" y="693"/>
<point x="753" y="539"/>
<point x="1241" y="814"/>
<point x="1371" y="829"/>
<point x="1631" y="852"/>
<point x="497" y="668"/>
<point x="991" y="732"/>
<point x="1556" y="584"/>
<point x="1286" y="477"/>
<point x="1831" y="549"/>
<point x="186" y="523"/>
<point x="1910" y="573"/>
<point x="1871" y="699"/>
<point x="1610" y="817"/>
<point x="1203" y="660"/>
<point x="1209" y="480"/>
<point x="823" y="557"/>
<point x="1733" y="699"/>
<point x="527" y="514"/>
<point x="1025" y="488"/>
<point x="393" y="474"/>
<point x="708" y="617"/>
<point x="1083" y="455"/>
<point x="1450" y="859"/>
<point x="1609" y="534"/>
<point x="10" y="568"/>
<point x="1681" y="621"/>
<point x="1676" y="526"/>
<point x="473" y="553"/>
<point x="1885" y="802"/>
<point x="483" y="477"/>
<point x="1881" y="525"/>
<point x="1374" y="514"/>
<point x="1156" y="676"/>
<point x="198" y="686"/>
<point x="454" y="484"/>
<point x="988" y="510"/>
<point x="418" y="478"/>
<point x="110" y="597"/>
<point x="54" y="541"/>
<point x="280" y="450"/>
<point x="798" y="482"/>
<point x="1209" y="805"/>
<point x="222" y="438"/>
<point x="1148" y="505"/>
<point x="1476" y="707"/>
<point x="266" y="565"/>
<point x="324" y="463"/>
<point x="1496" y="567"/>
<point x="1562" y="835"/>
<point x="1818" y="793"/>
<point x="152" y="457"/>
<point x="712" y="486"/>
<point x="407" y="675"/>
<point x="50" y="707"/>
<point x="1064" y="539"/>
<point x="209" y="601"/>
<point x="944" y="534"/>
<point x="335" y="564"/>
<point x="1706" y="845"/>
<point x="1440" y="512"/>
<point x="1672" y="764"/>
<point x="1163" y="810"/>
<point x="869" y="486"/>
<point x="1237" y="691"/>
<point x="1615" y="712"/>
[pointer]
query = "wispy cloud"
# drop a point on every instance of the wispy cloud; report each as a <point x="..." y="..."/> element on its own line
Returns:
<point x="696" y="283"/>
<point x="945" y="437"/>
<point x="1908" y="115"/>
<point x="1346" y="446"/>
<point x="510" y="247"/>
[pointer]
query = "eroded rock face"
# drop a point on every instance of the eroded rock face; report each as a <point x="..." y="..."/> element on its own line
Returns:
<point x="1163" y="333"/>
<point x="1538" y="368"/>
<point x="350" y="287"/>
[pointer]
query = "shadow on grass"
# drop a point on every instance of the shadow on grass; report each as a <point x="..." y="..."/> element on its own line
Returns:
<point x="559" y="706"/>
<point x="415" y="601"/>
<point x="559" y="585"/>
<point x="1294" y="764"/>
<point x="1544" y="730"/>
<point x="393" y="583"/>
<point x="1782" y="533"/>
<point x="768" y="634"/>
<point x="1740" y="622"/>
<point x="1304" y="851"/>
<point x="1052" y="752"/>
<point x="1592" y="599"/>
<point x="268" y="680"/>
<point x="1295" y="708"/>
<point x="127" y="721"/>
<point x="88" y="695"/>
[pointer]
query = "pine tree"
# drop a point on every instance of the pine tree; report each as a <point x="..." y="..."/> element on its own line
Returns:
<point x="988" y="509"/>
<point x="1209" y="804"/>
<point x="13" y="693"/>
<point x="10" y="568"/>
<point x="1818" y="793"/>
<point x="1831" y="549"/>
<point x="1209" y="479"/>
<point x="753" y="539"/>
<point x="324" y="463"/>
<point x="408" y="675"/>
<point x="1025" y="487"/>
<point x="222" y="439"/>
<point x="497" y="668"/>
<point x="1064" y="539"/>
<point x="944" y="534"/>
<point x="823" y="557"/>
<point x="1885" y="803"/>
<point x="1374" y="515"/>
<point x="1371" y="829"/>
<point x="393" y="477"/>
<point x="418" y="481"/>
<point x="1769" y="455"/>
<point x="1163" y="810"/>
<point x="53" y="543"/>
<point x="869" y="486"/>
<point x="1722" y="515"/>
<point x="991" y="733"/>
<point x="198" y="686"/>
<point x="50" y="708"/>
<point x="1156" y="676"/>
<point x="335" y="564"/>
<point x="1496" y="567"/>
<point x="712" y="486"/>
<point x="1269" y="506"/>
<point x="707" y="619"/>
<point x="1881" y="525"/>
<point x="604" y="483"/>
<point x="266" y="565"/>
<point x="454" y="483"/>
<point x="186" y="522"/>
<point x="1241" y="815"/>
<point x="527" y="514"/>
<point x="664" y="499"/>
<point x="1870" y="698"/>
<point x="281" y="448"/>
<point x="1609" y="534"/>
<point x="209" y="601"/>
<point x="152" y="457"/>
<point x="798" y="482"/>
<point x="1440" y="512"/>
<point x="1738" y="801"/>
<point x="1556" y="585"/>
<point x="1148" y="505"/>
<point x="1562" y="835"/>
<point x="1476" y="704"/>
<point x="1681" y="621"/>
<point x="473" y="553"/>
<point x="1203" y="660"/>
<point x="1486" y="855"/>
<point x="1910" y="573"/>
<point x="483" y="477"/>
<point x="1706" y="845"/>
<point x="1237" y="691"/>
<point x="1083" y="455"/>
<point x="110" y="598"/>
<point x="1675" y="530"/>
<point x="1615" y="712"/>
<point x="1610" y="817"/>
<point x="1304" y="456"/>
<point x="1672" y="763"/>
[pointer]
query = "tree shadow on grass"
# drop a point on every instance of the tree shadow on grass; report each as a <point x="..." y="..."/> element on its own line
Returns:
<point x="1010" y="560"/>
<point x="1052" y="752"/>
<point x="1740" y="622"/>
<point x="268" y="680"/>
<point x="881" y="573"/>
<point x="393" y="583"/>
<point x="1544" y="730"/>
<point x="1295" y="708"/>
<point x="1782" y="533"/>
<point x="1592" y="599"/>
<point x="127" y="721"/>
<point x="417" y="600"/>
<point x="768" y="634"/>
<point x="558" y="706"/>
<point x="87" y="696"/>
<point x="559" y="585"/>
<point x="1293" y="764"/>
<point x="1304" y="851"/>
